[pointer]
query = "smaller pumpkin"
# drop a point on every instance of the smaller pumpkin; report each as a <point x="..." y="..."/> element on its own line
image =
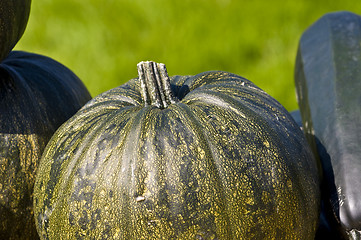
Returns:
<point x="37" y="94"/>
<point x="14" y="16"/>
<point x="209" y="156"/>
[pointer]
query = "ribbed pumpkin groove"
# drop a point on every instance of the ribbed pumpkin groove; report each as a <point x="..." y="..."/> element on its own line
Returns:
<point x="209" y="156"/>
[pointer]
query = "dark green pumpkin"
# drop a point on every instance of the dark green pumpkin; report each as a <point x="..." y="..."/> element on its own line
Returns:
<point x="14" y="16"/>
<point x="37" y="94"/>
<point x="328" y="82"/>
<point x="209" y="156"/>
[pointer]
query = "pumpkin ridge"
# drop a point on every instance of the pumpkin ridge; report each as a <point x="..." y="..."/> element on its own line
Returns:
<point x="126" y="94"/>
<point x="129" y="123"/>
<point x="49" y="150"/>
<point x="216" y="99"/>
<point x="225" y="101"/>
<point x="239" y="89"/>
<point x="132" y="184"/>
<point x="55" y="189"/>
<point x="70" y="126"/>
<point x="303" y="193"/>
<point x="60" y="188"/>
<point x="157" y="113"/>
<point x="209" y="77"/>
<point x="206" y="80"/>
<point x="208" y="146"/>
<point x="266" y="123"/>
<point x="78" y="161"/>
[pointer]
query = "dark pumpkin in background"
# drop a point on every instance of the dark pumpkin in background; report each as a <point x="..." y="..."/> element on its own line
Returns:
<point x="14" y="16"/>
<point x="328" y="82"/>
<point x="209" y="156"/>
<point x="37" y="94"/>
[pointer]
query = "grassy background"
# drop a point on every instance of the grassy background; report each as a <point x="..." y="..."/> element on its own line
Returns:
<point x="102" y="41"/>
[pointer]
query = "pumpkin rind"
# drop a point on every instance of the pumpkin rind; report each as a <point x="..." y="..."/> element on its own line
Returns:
<point x="37" y="94"/>
<point x="328" y="83"/>
<point x="14" y="16"/>
<point x="225" y="161"/>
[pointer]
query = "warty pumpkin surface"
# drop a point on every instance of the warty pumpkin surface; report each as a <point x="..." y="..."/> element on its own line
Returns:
<point x="14" y="16"/>
<point x="209" y="156"/>
<point x="37" y="94"/>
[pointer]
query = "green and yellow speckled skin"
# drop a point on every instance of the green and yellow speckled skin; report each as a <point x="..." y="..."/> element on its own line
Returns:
<point x="14" y="16"/>
<point x="226" y="161"/>
<point x="37" y="95"/>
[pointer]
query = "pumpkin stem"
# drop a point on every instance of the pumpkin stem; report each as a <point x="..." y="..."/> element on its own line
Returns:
<point x="155" y="84"/>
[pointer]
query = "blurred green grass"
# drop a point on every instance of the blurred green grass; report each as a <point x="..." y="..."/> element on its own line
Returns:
<point x="102" y="41"/>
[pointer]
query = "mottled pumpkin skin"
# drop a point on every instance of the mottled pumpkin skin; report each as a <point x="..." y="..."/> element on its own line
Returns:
<point x="14" y="16"/>
<point x="37" y="95"/>
<point x="225" y="162"/>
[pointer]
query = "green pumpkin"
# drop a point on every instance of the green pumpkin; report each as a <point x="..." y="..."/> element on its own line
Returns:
<point x="37" y="94"/>
<point x="209" y="156"/>
<point x="14" y="16"/>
